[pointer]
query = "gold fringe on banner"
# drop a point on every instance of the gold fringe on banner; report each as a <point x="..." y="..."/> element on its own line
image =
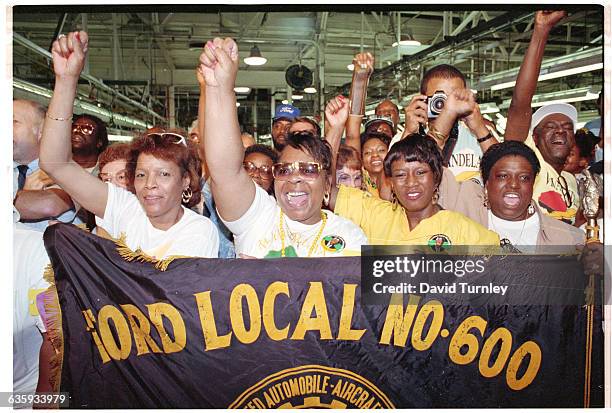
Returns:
<point x="53" y="324"/>
<point x="138" y="255"/>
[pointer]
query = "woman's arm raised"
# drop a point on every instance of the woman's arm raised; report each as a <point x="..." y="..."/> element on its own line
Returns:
<point x="232" y="187"/>
<point x="56" y="147"/>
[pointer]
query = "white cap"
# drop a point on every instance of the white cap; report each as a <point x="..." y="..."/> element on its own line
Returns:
<point x="562" y="108"/>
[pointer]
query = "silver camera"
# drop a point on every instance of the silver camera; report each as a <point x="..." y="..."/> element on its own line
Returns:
<point x="435" y="104"/>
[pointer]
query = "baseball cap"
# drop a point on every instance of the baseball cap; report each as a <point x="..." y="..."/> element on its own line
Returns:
<point x="551" y="109"/>
<point x="378" y="118"/>
<point x="289" y="112"/>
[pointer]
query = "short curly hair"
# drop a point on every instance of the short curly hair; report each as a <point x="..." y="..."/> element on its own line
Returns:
<point x="349" y="157"/>
<point x="366" y="136"/>
<point x="262" y="149"/>
<point x="114" y="152"/>
<point x="166" y="148"/>
<point x="507" y="148"/>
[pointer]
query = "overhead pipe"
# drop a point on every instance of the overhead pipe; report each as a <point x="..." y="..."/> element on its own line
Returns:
<point x="99" y="83"/>
<point x="484" y="28"/>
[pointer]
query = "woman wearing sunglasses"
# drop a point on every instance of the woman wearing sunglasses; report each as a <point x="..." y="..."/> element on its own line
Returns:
<point x="505" y="204"/>
<point x="258" y="161"/>
<point x="293" y="224"/>
<point x="163" y="172"/>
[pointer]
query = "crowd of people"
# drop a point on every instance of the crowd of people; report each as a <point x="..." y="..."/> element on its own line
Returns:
<point x="438" y="179"/>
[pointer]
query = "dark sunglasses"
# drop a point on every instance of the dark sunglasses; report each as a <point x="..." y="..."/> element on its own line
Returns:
<point x="307" y="170"/>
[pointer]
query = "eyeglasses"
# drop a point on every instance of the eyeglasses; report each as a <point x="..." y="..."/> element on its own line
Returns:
<point x="174" y="137"/>
<point x="567" y="196"/>
<point x="283" y="171"/>
<point x="265" y="171"/>
<point x="120" y="176"/>
<point x="85" y="129"/>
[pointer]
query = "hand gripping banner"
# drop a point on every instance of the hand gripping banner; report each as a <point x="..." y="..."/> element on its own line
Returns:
<point x="292" y="332"/>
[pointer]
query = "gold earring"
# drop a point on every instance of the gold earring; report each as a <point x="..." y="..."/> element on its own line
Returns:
<point x="395" y="202"/>
<point x="186" y="195"/>
<point x="436" y="196"/>
<point x="326" y="199"/>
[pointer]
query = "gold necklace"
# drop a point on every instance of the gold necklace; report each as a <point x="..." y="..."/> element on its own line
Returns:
<point x="282" y="233"/>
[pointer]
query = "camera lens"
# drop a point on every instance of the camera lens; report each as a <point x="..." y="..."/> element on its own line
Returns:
<point x="438" y="104"/>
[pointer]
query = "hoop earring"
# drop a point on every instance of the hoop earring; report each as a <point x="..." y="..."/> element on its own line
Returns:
<point x="531" y="209"/>
<point x="436" y="196"/>
<point x="186" y="195"/>
<point x="326" y="199"/>
<point x="485" y="202"/>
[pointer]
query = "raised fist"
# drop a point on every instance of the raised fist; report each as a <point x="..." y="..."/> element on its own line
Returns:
<point x="219" y="63"/>
<point x="337" y="111"/>
<point x="69" y="53"/>
<point x="460" y="102"/>
<point x="549" y="18"/>
<point x="363" y="61"/>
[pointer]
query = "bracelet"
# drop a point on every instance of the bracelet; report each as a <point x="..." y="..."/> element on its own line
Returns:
<point x="436" y="135"/>
<point x="60" y="119"/>
<point x="484" y="138"/>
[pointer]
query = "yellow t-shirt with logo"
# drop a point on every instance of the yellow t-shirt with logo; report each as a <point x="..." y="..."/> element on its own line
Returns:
<point x="384" y="225"/>
<point x="548" y="190"/>
<point x="368" y="184"/>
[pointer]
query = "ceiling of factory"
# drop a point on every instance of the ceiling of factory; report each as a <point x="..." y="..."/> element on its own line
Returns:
<point x="143" y="57"/>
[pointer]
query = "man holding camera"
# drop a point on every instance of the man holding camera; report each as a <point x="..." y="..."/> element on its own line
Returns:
<point x="448" y="111"/>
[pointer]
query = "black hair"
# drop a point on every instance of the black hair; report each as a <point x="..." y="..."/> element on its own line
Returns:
<point x="306" y="119"/>
<point x="585" y="141"/>
<point x="416" y="148"/>
<point x="441" y="71"/>
<point x="503" y="149"/>
<point x="366" y="136"/>
<point x="262" y="149"/>
<point x="319" y="149"/>
<point x="101" y="132"/>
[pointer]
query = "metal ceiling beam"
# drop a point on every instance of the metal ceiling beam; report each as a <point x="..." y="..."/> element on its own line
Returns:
<point x="100" y="84"/>
<point x="431" y="53"/>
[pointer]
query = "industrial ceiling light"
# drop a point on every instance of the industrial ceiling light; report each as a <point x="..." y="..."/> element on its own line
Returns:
<point x="553" y="75"/>
<point x="297" y="95"/>
<point x="255" y="58"/>
<point x="350" y="67"/>
<point x="310" y="90"/>
<point x="242" y="89"/>
<point x="285" y="102"/>
<point x="406" y="40"/>
<point x="237" y="104"/>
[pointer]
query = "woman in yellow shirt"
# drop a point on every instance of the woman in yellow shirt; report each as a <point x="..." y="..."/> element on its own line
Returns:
<point x="414" y="168"/>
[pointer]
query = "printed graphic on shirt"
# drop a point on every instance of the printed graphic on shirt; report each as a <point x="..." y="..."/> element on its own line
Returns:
<point x="333" y="243"/>
<point x="439" y="242"/>
<point x="289" y="252"/>
<point x="552" y="202"/>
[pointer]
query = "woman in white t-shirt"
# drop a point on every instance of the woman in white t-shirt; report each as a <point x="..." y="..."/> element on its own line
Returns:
<point x="293" y="224"/>
<point x="163" y="172"/>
